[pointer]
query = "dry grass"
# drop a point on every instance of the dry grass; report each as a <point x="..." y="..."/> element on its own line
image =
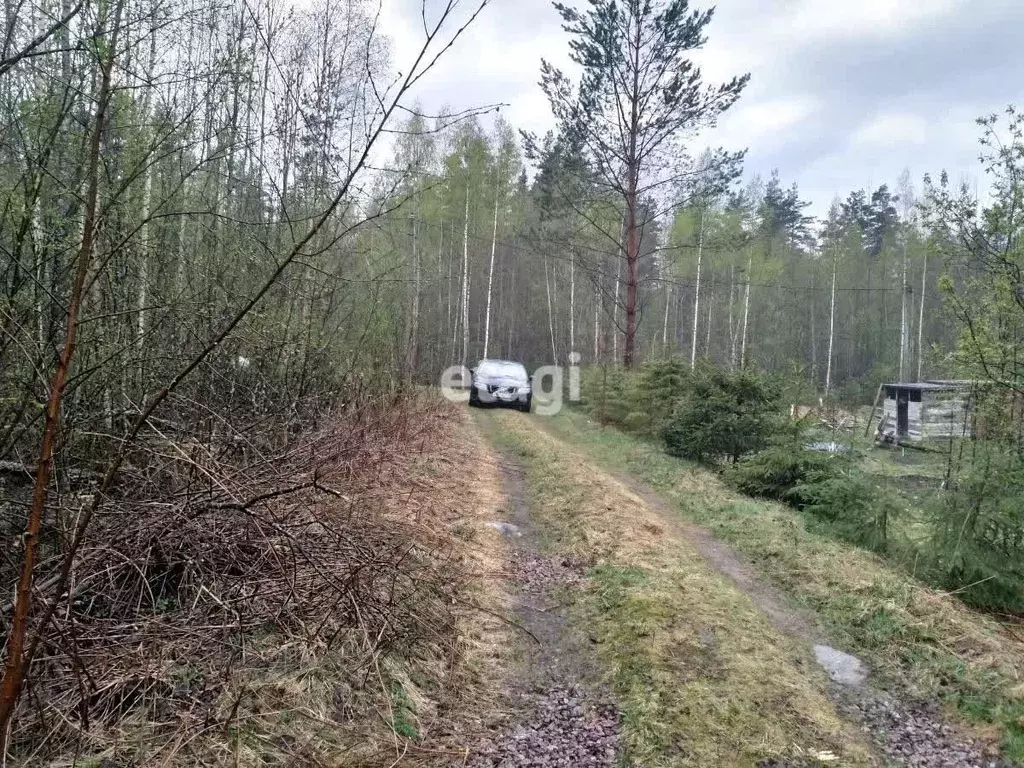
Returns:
<point x="314" y="606"/>
<point x="696" y="666"/>
<point x="486" y="641"/>
<point x="918" y="640"/>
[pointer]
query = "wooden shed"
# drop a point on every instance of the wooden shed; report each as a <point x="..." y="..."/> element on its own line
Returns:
<point x="925" y="410"/>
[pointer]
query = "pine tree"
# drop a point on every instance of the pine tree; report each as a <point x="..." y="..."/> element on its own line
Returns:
<point x="639" y="94"/>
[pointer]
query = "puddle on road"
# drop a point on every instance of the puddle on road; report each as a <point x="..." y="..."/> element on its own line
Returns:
<point x="505" y="529"/>
<point x="841" y="667"/>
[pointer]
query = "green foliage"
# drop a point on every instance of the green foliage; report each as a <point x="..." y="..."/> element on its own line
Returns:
<point x="609" y="394"/>
<point x="722" y="415"/>
<point x="978" y="538"/>
<point x="776" y="471"/>
<point x="403" y="721"/>
<point x="796" y="385"/>
<point x="639" y="400"/>
<point x="979" y="532"/>
<point x="660" y="384"/>
<point x="846" y="498"/>
<point x="829" y="487"/>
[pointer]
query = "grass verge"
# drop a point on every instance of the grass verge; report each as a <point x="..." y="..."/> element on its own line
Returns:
<point x="917" y="639"/>
<point x="694" y="665"/>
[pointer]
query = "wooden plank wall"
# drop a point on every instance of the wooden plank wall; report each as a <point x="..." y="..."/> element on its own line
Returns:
<point x="945" y="414"/>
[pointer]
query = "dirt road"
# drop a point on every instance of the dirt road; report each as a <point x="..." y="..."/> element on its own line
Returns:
<point x="637" y="639"/>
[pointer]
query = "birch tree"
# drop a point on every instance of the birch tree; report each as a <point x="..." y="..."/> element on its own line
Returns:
<point x="505" y="167"/>
<point x="907" y="202"/>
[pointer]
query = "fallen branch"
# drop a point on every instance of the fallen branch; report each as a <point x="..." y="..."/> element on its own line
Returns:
<point x="496" y="615"/>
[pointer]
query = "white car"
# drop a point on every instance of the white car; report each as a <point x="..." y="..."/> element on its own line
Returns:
<point x="501" y="382"/>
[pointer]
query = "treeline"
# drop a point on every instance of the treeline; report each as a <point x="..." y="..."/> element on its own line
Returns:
<point x="201" y="147"/>
<point x="744" y="278"/>
<point x="628" y="245"/>
<point x="230" y="236"/>
<point x="229" y="132"/>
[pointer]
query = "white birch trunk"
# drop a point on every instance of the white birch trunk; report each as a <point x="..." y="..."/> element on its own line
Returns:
<point x="457" y="317"/>
<point x="814" y="332"/>
<point x="831" y="329"/>
<point x="551" y="314"/>
<point x="145" y="244"/>
<point x="465" y="283"/>
<point x="746" y="315"/>
<point x="453" y="309"/>
<point x="572" y="302"/>
<point x="696" y="294"/>
<point x="508" y="326"/>
<point x="411" y="352"/>
<point x="664" y="321"/>
<point x="144" y="248"/>
<point x="904" y="336"/>
<point x="733" y="331"/>
<point x="264" y="97"/>
<point x="490" y="273"/>
<point x="920" y="317"/>
<point x="434" y="347"/>
<point x="40" y="255"/>
<point x="711" y="307"/>
<point x="615" y="312"/>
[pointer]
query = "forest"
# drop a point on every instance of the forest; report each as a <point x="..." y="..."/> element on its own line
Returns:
<point x="236" y="252"/>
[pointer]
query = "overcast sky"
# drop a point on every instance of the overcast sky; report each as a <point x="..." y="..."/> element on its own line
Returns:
<point x="844" y="94"/>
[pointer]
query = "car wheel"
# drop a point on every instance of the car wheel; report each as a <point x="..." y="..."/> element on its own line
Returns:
<point x="525" y="407"/>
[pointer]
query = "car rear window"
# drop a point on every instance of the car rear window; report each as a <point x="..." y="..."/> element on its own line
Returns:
<point x="504" y="370"/>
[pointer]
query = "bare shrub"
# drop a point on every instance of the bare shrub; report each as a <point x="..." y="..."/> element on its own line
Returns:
<point x="207" y="585"/>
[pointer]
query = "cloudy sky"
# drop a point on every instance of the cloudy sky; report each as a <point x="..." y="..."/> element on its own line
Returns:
<point x="844" y="94"/>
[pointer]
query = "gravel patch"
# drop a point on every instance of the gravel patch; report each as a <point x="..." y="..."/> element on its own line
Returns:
<point x="563" y="730"/>
<point x="913" y="735"/>
<point x="560" y="723"/>
<point x="539" y="574"/>
<point x="560" y="717"/>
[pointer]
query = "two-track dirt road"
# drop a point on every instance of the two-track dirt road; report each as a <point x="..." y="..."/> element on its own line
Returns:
<point x="635" y="638"/>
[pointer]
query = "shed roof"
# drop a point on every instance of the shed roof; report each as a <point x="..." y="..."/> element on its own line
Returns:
<point x="930" y="386"/>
